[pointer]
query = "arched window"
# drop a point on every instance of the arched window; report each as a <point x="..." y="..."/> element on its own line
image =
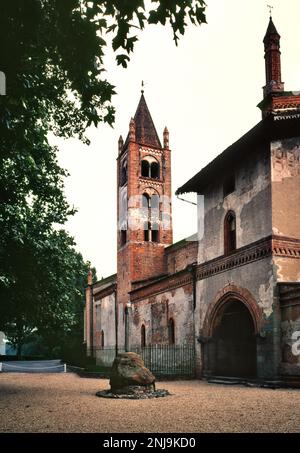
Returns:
<point x="171" y="331"/>
<point x="150" y="168"/>
<point x="154" y="171"/>
<point x="143" y="336"/>
<point x="229" y="233"/>
<point x="124" y="173"/>
<point x="146" y="201"/>
<point x="151" y="232"/>
<point x="150" y="205"/>
<point x="155" y="203"/>
<point x="155" y="232"/>
<point x="147" y="228"/>
<point x="145" y="168"/>
<point x="150" y="202"/>
<point x="123" y="237"/>
<point x="102" y="339"/>
<point x="155" y="213"/>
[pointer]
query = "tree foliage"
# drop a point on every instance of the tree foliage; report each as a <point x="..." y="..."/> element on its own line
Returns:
<point x="52" y="56"/>
<point x="47" y="295"/>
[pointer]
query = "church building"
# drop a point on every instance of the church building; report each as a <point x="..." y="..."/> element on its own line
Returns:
<point x="232" y="292"/>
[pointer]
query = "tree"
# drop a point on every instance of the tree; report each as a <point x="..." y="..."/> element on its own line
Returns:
<point x="61" y="324"/>
<point x="52" y="56"/>
<point x="48" y="294"/>
<point x="46" y="298"/>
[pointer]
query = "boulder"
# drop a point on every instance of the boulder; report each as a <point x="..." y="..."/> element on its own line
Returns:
<point x="129" y="370"/>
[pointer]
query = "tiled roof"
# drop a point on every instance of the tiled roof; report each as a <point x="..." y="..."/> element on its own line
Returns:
<point x="144" y="127"/>
<point x="271" y="30"/>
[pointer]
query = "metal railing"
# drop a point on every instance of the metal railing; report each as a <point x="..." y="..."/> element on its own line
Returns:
<point x="162" y="360"/>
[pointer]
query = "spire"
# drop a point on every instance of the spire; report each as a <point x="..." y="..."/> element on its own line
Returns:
<point x="166" y="138"/>
<point x="120" y="144"/>
<point x="144" y="127"/>
<point x="274" y="83"/>
<point x="132" y="134"/>
<point x="271" y="31"/>
<point x="276" y="102"/>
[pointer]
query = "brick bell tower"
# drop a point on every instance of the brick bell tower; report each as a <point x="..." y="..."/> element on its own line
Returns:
<point x="144" y="203"/>
<point x="274" y="83"/>
<point x="276" y="100"/>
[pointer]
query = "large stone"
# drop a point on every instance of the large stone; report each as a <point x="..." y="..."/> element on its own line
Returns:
<point x="129" y="370"/>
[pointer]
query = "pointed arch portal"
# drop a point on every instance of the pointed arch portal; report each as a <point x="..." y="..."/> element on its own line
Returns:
<point x="231" y="329"/>
<point x="232" y="350"/>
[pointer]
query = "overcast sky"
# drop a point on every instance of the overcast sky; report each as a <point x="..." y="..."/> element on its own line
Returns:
<point x="205" y="91"/>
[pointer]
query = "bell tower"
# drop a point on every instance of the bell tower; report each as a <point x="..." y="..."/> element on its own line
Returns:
<point x="277" y="102"/>
<point x="144" y="202"/>
<point x="274" y="83"/>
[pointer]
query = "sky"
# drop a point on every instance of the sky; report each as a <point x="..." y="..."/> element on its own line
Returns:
<point x="205" y="91"/>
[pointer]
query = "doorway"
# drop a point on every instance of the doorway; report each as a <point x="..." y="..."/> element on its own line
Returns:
<point x="232" y="349"/>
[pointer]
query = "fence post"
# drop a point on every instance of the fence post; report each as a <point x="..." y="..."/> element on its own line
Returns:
<point x="65" y="368"/>
<point x="0" y="367"/>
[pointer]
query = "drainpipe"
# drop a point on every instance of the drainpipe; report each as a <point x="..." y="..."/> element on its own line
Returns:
<point x="91" y="321"/>
<point x="91" y="311"/>
<point x="127" y="326"/>
<point x="192" y="269"/>
<point x="116" y="320"/>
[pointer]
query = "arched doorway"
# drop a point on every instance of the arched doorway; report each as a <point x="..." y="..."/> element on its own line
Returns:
<point x="231" y="350"/>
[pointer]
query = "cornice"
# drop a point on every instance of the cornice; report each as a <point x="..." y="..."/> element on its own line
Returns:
<point x="153" y="151"/>
<point x="168" y="283"/>
<point x="105" y="292"/>
<point x="285" y="247"/>
<point x="150" y="182"/>
<point x="253" y="252"/>
<point x="264" y="248"/>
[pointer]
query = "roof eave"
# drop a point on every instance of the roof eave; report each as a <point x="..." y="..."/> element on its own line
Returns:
<point x="271" y="128"/>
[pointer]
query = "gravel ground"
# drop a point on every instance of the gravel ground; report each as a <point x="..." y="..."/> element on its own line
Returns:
<point x="67" y="403"/>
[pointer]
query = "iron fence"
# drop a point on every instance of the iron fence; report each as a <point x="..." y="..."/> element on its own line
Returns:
<point x="162" y="360"/>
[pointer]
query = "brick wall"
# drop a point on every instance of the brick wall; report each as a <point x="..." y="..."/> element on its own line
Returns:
<point x="178" y="256"/>
<point x="155" y="312"/>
